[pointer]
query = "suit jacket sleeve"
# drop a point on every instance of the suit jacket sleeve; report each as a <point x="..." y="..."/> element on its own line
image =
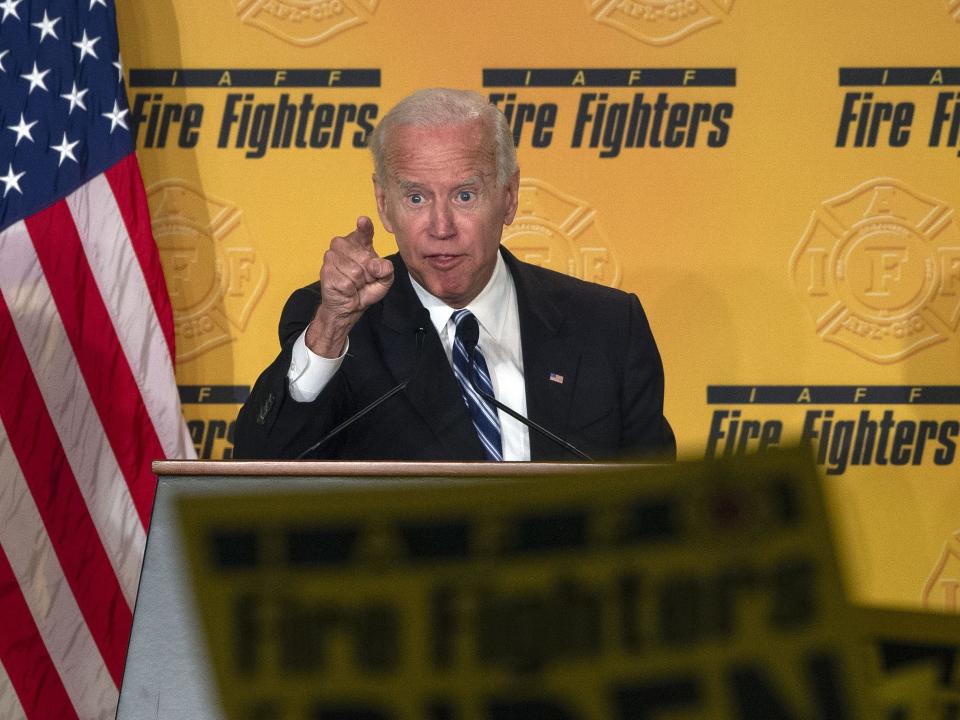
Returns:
<point x="271" y="424"/>
<point x="645" y="430"/>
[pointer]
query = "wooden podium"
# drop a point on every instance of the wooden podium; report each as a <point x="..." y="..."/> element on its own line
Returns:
<point x="168" y="675"/>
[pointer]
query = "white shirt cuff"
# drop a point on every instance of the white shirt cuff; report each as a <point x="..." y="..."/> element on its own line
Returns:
<point x="309" y="373"/>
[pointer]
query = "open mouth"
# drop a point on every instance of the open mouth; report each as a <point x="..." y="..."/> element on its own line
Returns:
<point x="443" y="261"/>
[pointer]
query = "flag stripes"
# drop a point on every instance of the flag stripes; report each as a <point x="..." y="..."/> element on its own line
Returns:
<point x="97" y="350"/>
<point x="45" y="591"/>
<point x="24" y="655"/>
<point x="131" y="200"/>
<point x="86" y="351"/>
<point x="90" y="381"/>
<point x="44" y="340"/>
<point x="52" y="484"/>
<point x="9" y="703"/>
<point x="118" y="272"/>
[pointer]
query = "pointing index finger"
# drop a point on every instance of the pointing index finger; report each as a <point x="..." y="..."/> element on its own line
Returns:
<point x="364" y="232"/>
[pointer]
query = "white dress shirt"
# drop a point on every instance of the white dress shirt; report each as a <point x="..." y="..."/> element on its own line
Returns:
<point x="496" y="311"/>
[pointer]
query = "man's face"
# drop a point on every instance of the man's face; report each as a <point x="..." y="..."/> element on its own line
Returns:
<point x="442" y="203"/>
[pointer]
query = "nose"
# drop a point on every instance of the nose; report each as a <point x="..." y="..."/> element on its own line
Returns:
<point x="442" y="223"/>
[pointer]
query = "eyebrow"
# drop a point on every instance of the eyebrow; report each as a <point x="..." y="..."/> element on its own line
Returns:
<point x="407" y="184"/>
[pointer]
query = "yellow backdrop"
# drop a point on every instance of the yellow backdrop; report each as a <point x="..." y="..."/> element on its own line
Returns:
<point x="777" y="181"/>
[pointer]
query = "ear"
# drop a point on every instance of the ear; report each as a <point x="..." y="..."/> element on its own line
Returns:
<point x="513" y="197"/>
<point x="380" y="193"/>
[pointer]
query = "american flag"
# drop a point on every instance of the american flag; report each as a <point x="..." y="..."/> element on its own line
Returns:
<point x="86" y="346"/>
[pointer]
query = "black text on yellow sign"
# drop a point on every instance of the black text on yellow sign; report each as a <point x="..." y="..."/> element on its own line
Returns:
<point x="709" y="594"/>
<point x="872" y="118"/>
<point x="257" y="111"/>
<point x="247" y="120"/>
<point x="248" y="124"/>
<point x="846" y="426"/>
<point x="609" y="117"/>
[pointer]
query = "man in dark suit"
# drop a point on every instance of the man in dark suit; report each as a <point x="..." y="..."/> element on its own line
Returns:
<point x="576" y="357"/>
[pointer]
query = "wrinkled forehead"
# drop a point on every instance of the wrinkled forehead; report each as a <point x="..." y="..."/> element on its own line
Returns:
<point x="436" y="146"/>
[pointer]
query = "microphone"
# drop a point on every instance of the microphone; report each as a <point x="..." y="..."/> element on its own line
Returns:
<point x="469" y="335"/>
<point x="423" y="318"/>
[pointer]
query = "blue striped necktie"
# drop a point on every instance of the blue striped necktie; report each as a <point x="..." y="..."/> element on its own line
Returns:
<point x="482" y="412"/>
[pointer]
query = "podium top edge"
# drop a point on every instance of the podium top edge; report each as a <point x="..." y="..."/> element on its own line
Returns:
<point x="301" y="468"/>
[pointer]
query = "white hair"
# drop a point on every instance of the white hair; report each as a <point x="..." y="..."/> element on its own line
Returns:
<point x="435" y="107"/>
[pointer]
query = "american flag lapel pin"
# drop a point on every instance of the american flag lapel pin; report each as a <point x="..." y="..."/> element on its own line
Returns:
<point x="557" y="378"/>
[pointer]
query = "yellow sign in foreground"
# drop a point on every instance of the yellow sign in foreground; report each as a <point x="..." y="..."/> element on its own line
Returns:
<point x="700" y="591"/>
<point x="918" y="657"/>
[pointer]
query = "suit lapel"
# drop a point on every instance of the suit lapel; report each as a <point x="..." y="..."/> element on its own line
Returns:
<point x="433" y="391"/>
<point x="550" y="364"/>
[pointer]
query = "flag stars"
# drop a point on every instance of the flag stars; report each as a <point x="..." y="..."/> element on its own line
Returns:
<point x="116" y="117"/>
<point x="11" y="181"/>
<point x="75" y="98"/>
<point x="23" y="130"/>
<point x="119" y="66"/>
<point x="65" y="148"/>
<point x="86" y="46"/>
<point x="36" y="79"/>
<point x="9" y="8"/>
<point x="3" y="53"/>
<point x="96" y="2"/>
<point x="46" y="27"/>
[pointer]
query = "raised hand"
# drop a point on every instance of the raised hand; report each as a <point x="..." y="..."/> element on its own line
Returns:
<point x="353" y="277"/>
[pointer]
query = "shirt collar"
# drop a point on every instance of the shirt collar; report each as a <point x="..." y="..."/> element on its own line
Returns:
<point x="487" y="306"/>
